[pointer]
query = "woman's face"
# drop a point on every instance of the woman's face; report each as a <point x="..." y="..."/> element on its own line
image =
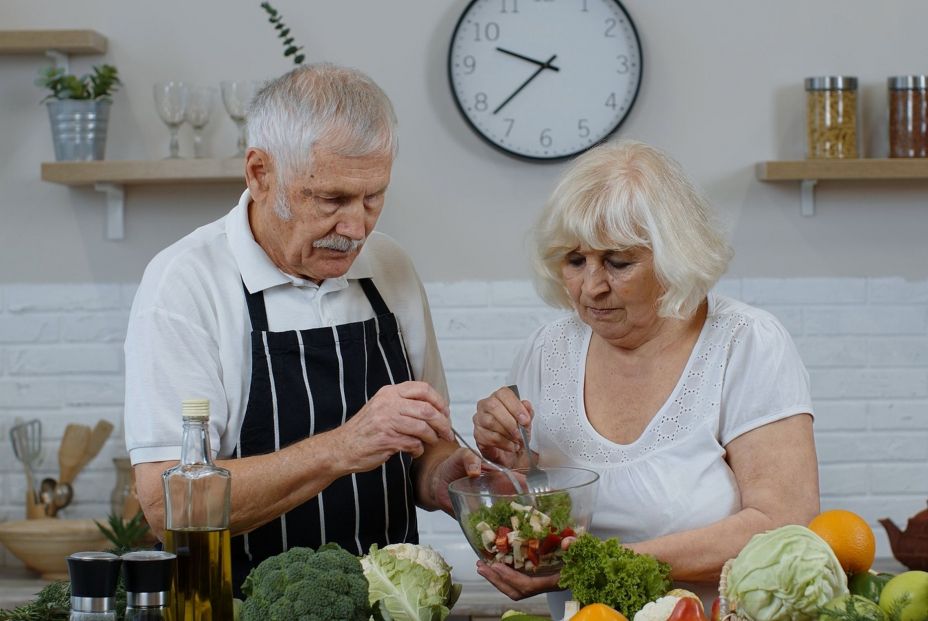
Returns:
<point x="614" y="292"/>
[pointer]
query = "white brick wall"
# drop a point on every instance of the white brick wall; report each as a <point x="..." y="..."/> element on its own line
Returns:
<point x="865" y="342"/>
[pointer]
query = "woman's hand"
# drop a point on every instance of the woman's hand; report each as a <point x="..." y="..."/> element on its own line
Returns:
<point x="514" y="584"/>
<point x="496" y="426"/>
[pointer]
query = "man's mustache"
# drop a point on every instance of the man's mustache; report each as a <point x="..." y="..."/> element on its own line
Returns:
<point x="339" y="243"/>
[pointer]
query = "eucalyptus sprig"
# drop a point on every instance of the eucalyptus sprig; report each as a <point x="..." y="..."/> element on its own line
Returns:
<point x="283" y="32"/>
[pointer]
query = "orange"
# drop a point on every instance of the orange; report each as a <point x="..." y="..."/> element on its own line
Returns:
<point x="849" y="536"/>
<point x="598" y="612"/>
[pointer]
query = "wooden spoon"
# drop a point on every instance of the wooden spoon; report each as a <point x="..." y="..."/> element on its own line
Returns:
<point x="72" y="450"/>
<point x="98" y="437"/>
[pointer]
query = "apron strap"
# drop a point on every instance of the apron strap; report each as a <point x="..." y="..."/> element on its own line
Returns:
<point x="257" y="311"/>
<point x="374" y="297"/>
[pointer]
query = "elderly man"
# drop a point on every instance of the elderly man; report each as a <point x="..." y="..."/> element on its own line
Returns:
<point x="308" y="332"/>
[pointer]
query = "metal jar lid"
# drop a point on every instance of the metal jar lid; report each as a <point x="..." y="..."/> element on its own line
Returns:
<point x="832" y="83"/>
<point x="907" y="82"/>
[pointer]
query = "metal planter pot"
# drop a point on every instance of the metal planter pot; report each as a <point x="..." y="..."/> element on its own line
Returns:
<point x="78" y="128"/>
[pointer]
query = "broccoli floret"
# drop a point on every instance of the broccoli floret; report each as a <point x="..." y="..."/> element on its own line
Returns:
<point x="306" y="585"/>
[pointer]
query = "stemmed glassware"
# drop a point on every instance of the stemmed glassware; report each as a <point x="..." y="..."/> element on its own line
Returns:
<point x="199" y="105"/>
<point x="236" y="96"/>
<point x="171" y="103"/>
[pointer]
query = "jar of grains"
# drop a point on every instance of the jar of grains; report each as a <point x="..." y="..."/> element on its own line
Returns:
<point x="831" y="117"/>
<point x="908" y="116"/>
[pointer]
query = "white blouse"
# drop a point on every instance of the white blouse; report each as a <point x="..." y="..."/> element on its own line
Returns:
<point x="743" y="372"/>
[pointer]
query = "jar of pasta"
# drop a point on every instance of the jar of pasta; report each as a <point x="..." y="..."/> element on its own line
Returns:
<point x="908" y="116"/>
<point x="831" y="117"/>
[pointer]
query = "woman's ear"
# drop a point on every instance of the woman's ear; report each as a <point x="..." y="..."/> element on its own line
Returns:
<point x="258" y="173"/>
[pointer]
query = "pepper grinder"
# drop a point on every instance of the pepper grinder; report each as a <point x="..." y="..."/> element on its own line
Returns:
<point x="93" y="586"/>
<point x="148" y="576"/>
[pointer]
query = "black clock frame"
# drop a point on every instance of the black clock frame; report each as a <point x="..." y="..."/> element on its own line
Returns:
<point x="530" y="158"/>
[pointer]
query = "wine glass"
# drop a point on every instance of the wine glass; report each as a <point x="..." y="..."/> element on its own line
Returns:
<point x="171" y="102"/>
<point x="236" y="96"/>
<point x="199" y="105"/>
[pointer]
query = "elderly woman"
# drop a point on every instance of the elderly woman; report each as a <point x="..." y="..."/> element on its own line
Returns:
<point x="693" y="408"/>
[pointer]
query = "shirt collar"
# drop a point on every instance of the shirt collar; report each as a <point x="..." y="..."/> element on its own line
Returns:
<point x="260" y="273"/>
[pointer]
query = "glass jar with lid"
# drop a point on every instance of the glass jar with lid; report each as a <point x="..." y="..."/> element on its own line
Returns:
<point x="832" y="117"/>
<point x="908" y="116"/>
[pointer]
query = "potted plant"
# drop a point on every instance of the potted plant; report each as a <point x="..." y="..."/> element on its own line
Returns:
<point x="79" y="108"/>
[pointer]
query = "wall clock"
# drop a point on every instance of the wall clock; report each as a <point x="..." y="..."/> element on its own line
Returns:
<point x="544" y="79"/>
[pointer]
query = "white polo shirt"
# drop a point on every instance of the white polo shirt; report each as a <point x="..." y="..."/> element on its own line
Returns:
<point x="189" y="331"/>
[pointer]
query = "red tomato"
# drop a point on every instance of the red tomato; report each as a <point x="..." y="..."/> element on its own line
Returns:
<point x="549" y="544"/>
<point x="502" y="539"/>
<point x="531" y="551"/>
<point x="687" y="609"/>
<point x="568" y="532"/>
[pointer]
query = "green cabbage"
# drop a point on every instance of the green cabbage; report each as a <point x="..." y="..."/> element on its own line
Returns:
<point x="786" y="574"/>
<point x="408" y="582"/>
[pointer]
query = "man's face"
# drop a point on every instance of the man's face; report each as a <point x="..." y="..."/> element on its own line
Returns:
<point x="332" y="211"/>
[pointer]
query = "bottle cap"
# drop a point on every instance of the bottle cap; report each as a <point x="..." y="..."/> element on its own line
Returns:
<point x="93" y="580"/>
<point x="196" y="408"/>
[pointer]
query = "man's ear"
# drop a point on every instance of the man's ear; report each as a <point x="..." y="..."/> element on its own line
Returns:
<point x="258" y="173"/>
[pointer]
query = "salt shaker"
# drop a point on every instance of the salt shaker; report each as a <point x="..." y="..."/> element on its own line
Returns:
<point x="93" y="586"/>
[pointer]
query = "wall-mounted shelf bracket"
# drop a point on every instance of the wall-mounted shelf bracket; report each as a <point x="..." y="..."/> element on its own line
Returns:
<point x="115" y="209"/>
<point x="60" y="59"/>
<point x="807" y="196"/>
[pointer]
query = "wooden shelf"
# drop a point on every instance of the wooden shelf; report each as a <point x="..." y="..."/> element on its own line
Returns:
<point x="111" y="177"/>
<point x="800" y="170"/>
<point x="40" y="41"/>
<point x="138" y="172"/>
<point x="810" y="172"/>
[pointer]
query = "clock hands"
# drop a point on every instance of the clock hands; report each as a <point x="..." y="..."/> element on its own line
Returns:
<point x="545" y="65"/>
<point x="531" y="60"/>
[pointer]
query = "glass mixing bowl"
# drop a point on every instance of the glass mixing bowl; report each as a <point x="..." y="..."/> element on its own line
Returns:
<point x="524" y="531"/>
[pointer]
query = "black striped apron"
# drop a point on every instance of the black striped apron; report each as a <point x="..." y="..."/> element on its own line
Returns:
<point x="305" y="382"/>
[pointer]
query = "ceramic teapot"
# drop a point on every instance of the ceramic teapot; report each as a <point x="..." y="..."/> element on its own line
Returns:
<point x="910" y="547"/>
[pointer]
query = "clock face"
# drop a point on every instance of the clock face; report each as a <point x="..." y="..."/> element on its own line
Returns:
<point x="544" y="79"/>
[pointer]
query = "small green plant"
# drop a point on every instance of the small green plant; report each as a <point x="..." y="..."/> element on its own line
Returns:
<point x="99" y="85"/>
<point x="283" y="32"/>
<point x="125" y="535"/>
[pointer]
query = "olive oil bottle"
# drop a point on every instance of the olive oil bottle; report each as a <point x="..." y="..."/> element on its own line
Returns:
<point x="197" y="496"/>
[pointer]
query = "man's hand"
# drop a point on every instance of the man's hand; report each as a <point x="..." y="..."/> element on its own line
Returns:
<point x="403" y="417"/>
<point x="458" y="464"/>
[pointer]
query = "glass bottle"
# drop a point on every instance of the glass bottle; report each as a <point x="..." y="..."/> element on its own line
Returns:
<point x="831" y="117"/>
<point x="123" y="488"/>
<point x="148" y="576"/>
<point x="197" y="496"/>
<point x="93" y="586"/>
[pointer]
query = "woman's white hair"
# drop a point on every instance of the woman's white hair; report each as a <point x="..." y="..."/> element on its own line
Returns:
<point x="337" y="107"/>
<point x="626" y="194"/>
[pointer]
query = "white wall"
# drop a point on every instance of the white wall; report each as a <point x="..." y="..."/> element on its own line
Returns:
<point x="722" y="90"/>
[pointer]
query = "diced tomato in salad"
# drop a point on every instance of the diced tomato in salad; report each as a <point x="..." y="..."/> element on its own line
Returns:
<point x="529" y="541"/>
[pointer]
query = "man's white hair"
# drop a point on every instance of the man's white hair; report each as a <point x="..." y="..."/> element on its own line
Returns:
<point x="339" y="108"/>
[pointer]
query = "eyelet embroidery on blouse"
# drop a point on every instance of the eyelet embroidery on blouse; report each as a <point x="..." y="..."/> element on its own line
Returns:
<point x="695" y="397"/>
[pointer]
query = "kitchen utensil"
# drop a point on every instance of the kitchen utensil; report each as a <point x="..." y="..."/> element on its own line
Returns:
<point x="514" y="480"/>
<point x="63" y="495"/>
<point x="483" y="504"/>
<point x="27" y="446"/>
<point x="535" y="477"/>
<point x="47" y="493"/>
<point x="72" y="450"/>
<point x="98" y="437"/>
